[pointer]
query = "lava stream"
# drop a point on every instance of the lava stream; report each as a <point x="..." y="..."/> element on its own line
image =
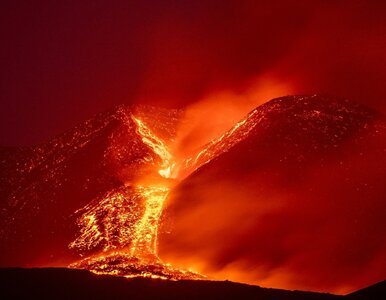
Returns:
<point x="135" y="245"/>
<point x="144" y="244"/>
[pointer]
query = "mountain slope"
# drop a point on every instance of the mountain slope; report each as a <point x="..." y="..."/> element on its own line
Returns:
<point x="292" y="196"/>
<point x="296" y="189"/>
<point x="42" y="186"/>
<point x="374" y="292"/>
<point x="317" y="121"/>
<point x="56" y="283"/>
<point x="76" y="284"/>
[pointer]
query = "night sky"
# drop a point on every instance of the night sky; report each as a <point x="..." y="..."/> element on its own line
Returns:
<point x="62" y="62"/>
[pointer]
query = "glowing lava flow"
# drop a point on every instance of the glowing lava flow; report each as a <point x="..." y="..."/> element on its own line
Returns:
<point x="219" y="145"/>
<point x="128" y="240"/>
<point x="158" y="147"/>
<point x="146" y="230"/>
<point x="123" y="226"/>
<point x="144" y="243"/>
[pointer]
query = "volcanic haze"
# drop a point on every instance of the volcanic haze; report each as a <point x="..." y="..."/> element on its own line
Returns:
<point x="296" y="200"/>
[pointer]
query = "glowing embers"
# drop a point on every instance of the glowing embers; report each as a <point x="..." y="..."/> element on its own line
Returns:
<point x="122" y="264"/>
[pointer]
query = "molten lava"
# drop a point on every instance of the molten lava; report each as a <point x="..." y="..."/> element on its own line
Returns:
<point x="290" y="133"/>
<point x="145" y="230"/>
<point x="157" y="146"/>
<point x="294" y="161"/>
<point x="128" y="239"/>
<point x="123" y="226"/>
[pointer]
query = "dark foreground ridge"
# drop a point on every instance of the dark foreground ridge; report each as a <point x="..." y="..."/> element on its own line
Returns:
<point x="374" y="292"/>
<point x="61" y="283"/>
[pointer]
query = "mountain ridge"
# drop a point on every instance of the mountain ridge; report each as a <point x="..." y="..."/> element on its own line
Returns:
<point x="60" y="283"/>
<point x="279" y="146"/>
<point x="80" y="284"/>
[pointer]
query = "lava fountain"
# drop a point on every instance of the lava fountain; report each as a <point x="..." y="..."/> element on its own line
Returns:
<point x="128" y="239"/>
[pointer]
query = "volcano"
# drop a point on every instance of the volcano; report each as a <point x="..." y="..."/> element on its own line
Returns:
<point x="297" y="188"/>
<point x="43" y="186"/>
<point x="109" y="196"/>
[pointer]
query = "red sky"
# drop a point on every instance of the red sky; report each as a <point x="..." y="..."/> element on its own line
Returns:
<point x="62" y="62"/>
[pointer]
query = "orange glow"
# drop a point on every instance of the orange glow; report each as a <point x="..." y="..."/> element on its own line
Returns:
<point x="116" y="222"/>
<point x="125" y="265"/>
<point x="132" y="229"/>
<point x="158" y="146"/>
<point x="124" y="228"/>
<point x="174" y="168"/>
<point x="279" y="194"/>
<point x="146" y="229"/>
<point x="208" y="120"/>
